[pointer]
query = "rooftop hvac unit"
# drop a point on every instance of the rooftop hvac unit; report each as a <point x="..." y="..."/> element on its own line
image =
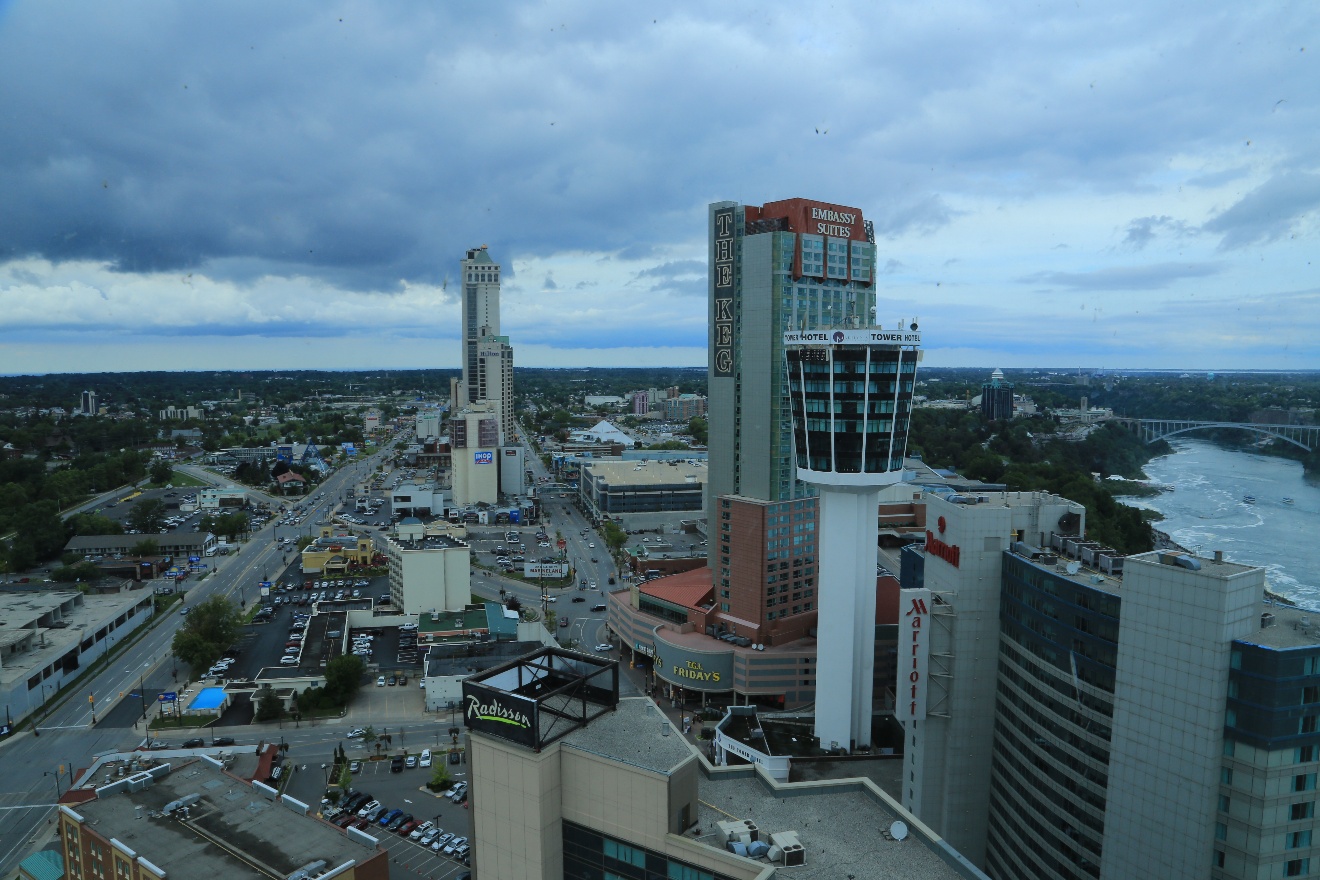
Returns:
<point x="1266" y="619"/>
<point x="785" y="848"/>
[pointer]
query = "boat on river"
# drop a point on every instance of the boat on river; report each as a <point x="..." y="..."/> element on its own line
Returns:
<point x="1250" y="499"/>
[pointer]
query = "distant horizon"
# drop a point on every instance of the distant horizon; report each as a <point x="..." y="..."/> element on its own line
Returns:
<point x="1063" y="370"/>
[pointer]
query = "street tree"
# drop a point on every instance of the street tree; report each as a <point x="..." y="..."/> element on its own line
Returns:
<point x="343" y="677"/>
<point x="440" y="778"/>
<point x="147" y="515"/>
<point x="269" y="706"/>
<point x="211" y="627"/>
<point x="162" y="472"/>
<point x="146" y="547"/>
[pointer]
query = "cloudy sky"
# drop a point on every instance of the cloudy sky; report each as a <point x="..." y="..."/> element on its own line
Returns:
<point x="292" y="184"/>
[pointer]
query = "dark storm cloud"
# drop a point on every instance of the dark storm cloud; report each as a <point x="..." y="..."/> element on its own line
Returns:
<point x="1153" y="277"/>
<point x="1269" y="212"/>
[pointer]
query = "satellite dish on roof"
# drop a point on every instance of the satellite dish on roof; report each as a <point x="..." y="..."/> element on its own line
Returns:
<point x="898" y="830"/>
<point x="1074" y="567"/>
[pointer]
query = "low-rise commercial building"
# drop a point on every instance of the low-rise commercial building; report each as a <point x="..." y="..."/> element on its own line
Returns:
<point x="333" y="552"/>
<point x="216" y="498"/>
<point x="619" y="488"/>
<point x="47" y="638"/>
<point x="170" y="544"/>
<point x="191" y="820"/>
<point x="430" y="573"/>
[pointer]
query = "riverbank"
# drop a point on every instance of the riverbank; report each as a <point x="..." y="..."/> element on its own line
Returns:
<point x="1258" y="509"/>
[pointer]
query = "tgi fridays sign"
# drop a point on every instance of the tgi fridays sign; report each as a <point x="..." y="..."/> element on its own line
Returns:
<point x="913" y="655"/>
<point x="722" y="301"/>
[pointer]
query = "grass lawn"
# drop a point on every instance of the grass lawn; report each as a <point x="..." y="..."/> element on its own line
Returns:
<point x="182" y="722"/>
<point x="179" y="478"/>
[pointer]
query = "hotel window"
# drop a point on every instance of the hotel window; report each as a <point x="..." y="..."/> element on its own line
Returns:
<point x="1299" y="839"/>
<point x="1307" y="724"/>
<point x="1297" y="868"/>
<point x="1304" y="754"/>
<point x="1304" y="810"/>
<point x="1304" y="782"/>
<point x="1224" y="801"/>
<point x="1311" y="694"/>
<point x="1221" y="831"/>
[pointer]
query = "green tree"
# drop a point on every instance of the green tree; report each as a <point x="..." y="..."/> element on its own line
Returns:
<point x="345" y="778"/>
<point x="699" y="429"/>
<point x="20" y="556"/>
<point x="211" y="627"/>
<point x="440" y="778"/>
<point x="42" y="527"/>
<point x="343" y="677"/>
<point x="162" y="472"/>
<point x="147" y="515"/>
<point x="79" y="571"/>
<point x="614" y="536"/>
<point x="269" y="707"/>
<point x="146" y="547"/>
<point x="93" y="524"/>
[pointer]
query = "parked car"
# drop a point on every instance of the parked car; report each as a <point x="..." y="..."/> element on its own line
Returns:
<point x="380" y="681"/>
<point x="453" y="845"/>
<point x="367" y="808"/>
<point x="425" y="759"/>
<point x="429" y="837"/>
<point x="439" y="843"/>
<point x="398" y="821"/>
<point x="195" y="743"/>
<point x="420" y="831"/>
<point x="396" y="765"/>
<point x="410" y="762"/>
<point x="223" y="741"/>
<point x="389" y="817"/>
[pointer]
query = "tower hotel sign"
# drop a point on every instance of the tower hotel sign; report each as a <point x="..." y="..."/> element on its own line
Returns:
<point x="722" y="269"/>
<point x="828" y="222"/>
<point x="913" y="655"/>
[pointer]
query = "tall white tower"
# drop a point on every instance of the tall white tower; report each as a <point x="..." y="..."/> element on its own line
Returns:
<point x="481" y="317"/>
<point x="851" y="398"/>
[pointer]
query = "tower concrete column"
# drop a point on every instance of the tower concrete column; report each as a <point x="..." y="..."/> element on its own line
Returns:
<point x="845" y="656"/>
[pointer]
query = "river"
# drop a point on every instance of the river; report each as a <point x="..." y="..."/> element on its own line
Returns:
<point x="1207" y="512"/>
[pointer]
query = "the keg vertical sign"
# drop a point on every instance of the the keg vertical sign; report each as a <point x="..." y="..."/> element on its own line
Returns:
<point x="722" y="302"/>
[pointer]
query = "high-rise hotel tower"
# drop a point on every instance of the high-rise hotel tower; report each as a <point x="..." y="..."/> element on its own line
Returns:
<point x="481" y="317"/>
<point x="790" y="265"/>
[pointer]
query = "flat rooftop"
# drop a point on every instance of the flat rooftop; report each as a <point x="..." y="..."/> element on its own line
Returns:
<point x="840" y="826"/>
<point x="646" y="474"/>
<point x="1290" y="627"/>
<point x="472" y="617"/>
<point x="469" y="657"/>
<point x="256" y="833"/>
<point x="840" y="822"/>
<point x="61" y="619"/>
<point x="633" y="734"/>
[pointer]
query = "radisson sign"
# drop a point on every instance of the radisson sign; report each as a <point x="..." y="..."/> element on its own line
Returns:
<point x="498" y="713"/>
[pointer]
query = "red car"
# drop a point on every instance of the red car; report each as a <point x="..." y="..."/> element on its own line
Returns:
<point x="343" y="820"/>
<point x="359" y="823"/>
<point x="407" y="827"/>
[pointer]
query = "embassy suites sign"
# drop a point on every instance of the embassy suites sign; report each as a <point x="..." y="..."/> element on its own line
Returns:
<point x="836" y="223"/>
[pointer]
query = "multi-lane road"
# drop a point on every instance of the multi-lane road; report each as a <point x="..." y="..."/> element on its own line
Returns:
<point x="37" y="759"/>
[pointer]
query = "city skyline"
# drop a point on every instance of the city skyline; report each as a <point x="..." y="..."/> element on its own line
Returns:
<point x="285" y="187"/>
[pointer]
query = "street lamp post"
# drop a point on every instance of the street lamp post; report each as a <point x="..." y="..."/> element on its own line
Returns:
<point x="142" y="689"/>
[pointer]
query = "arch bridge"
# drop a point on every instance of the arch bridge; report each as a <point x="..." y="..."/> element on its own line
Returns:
<point x="1149" y="430"/>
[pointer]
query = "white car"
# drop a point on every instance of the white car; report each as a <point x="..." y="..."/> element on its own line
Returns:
<point x="604" y="648"/>
<point x="425" y="760"/>
<point x="380" y="681"/>
<point x="421" y="830"/>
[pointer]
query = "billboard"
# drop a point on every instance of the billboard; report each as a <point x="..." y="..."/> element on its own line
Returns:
<point x="499" y="713"/>
<point x="483" y="458"/>
<point x="545" y="569"/>
<point x="913" y="655"/>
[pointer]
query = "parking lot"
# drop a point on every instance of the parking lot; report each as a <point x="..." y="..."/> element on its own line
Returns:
<point x="403" y="791"/>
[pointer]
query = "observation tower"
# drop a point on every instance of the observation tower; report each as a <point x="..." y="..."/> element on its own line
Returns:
<point x="851" y="397"/>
